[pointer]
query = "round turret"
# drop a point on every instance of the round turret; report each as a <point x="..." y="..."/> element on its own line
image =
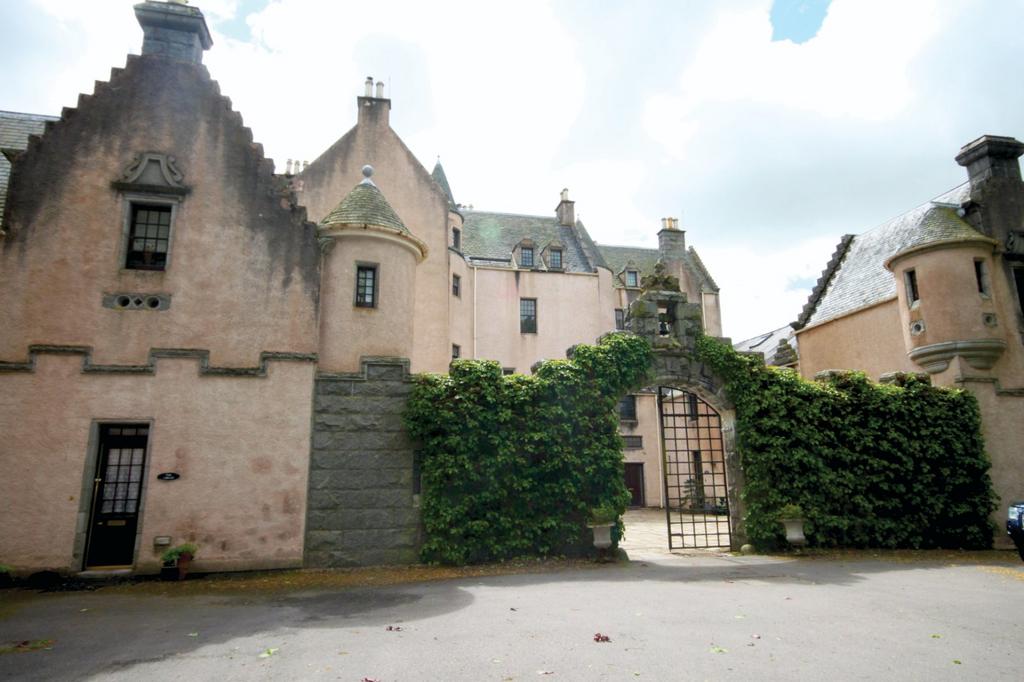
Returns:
<point x="944" y="286"/>
<point x="367" y="280"/>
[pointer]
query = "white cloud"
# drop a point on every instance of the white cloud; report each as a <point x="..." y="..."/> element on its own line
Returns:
<point x="758" y="284"/>
<point x="856" y="66"/>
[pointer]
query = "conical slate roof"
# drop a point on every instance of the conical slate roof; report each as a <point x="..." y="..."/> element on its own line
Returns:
<point x="441" y="179"/>
<point x="365" y="205"/>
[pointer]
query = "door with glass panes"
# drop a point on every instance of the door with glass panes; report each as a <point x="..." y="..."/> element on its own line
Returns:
<point x="116" y="495"/>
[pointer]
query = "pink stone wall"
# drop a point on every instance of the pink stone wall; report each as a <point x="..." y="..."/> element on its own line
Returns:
<point x="420" y="204"/>
<point x="869" y="340"/>
<point x="241" y="446"/>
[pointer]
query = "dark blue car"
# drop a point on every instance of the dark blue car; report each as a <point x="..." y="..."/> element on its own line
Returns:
<point x="1015" y="526"/>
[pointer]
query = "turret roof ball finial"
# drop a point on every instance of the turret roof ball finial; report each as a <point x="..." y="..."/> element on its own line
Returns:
<point x="367" y="173"/>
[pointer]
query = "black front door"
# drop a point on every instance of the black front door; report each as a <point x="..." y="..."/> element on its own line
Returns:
<point x="635" y="483"/>
<point x="117" y="489"/>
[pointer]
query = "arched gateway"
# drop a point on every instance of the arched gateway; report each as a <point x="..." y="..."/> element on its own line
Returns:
<point x="700" y="466"/>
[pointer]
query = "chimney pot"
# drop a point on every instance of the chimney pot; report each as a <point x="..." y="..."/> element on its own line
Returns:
<point x="380" y="89"/>
<point x="368" y="87"/>
<point x="288" y="167"/>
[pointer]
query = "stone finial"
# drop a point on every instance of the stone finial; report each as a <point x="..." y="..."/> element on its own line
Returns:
<point x="367" y="174"/>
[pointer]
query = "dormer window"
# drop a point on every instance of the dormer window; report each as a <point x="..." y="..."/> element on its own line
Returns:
<point x="555" y="259"/>
<point x="526" y="256"/>
<point x="632" y="278"/>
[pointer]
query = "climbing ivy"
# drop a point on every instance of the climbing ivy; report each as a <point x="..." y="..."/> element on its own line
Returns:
<point x="898" y="465"/>
<point x="512" y="465"/>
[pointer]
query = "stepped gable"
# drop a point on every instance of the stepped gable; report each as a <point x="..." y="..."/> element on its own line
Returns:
<point x="15" y="129"/>
<point x="168" y="102"/>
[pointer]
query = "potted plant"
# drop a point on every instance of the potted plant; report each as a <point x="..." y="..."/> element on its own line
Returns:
<point x="179" y="557"/>
<point x="602" y="519"/>
<point x="791" y="517"/>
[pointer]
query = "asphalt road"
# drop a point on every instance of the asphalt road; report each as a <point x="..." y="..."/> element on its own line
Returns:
<point x="667" y="617"/>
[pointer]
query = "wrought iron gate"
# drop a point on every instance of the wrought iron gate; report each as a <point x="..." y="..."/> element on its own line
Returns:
<point x="693" y="459"/>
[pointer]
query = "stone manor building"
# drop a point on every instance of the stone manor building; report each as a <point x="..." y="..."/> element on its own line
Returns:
<point x="198" y="348"/>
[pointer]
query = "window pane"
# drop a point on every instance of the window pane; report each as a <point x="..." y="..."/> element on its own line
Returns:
<point x="148" y="237"/>
<point x="366" y="289"/>
<point x="556" y="258"/>
<point x="527" y="315"/>
<point x="527" y="256"/>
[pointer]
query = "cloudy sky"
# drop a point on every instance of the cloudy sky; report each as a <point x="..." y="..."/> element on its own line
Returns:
<point x="769" y="128"/>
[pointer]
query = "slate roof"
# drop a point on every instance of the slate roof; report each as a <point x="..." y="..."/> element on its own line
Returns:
<point x="365" y="205"/>
<point x="860" y="279"/>
<point x="768" y="343"/>
<point x="618" y="257"/>
<point x="489" y="239"/>
<point x="442" y="180"/>
<point x="14" y="131"/>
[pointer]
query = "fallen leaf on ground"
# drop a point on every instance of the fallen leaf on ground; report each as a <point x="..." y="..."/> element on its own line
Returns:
<point x="936" y="636"/>
<point x="393" y="628"/>
<point x="193" y="634"/>
<point x="598" y="637"/>
<point x="27" y="645"/>
<point x="718" y="650"/>
<point x="267" y="653"/>
<point x="545" y="672"/>
<point x="956" y="661"/>
<point x="755" y="636"/>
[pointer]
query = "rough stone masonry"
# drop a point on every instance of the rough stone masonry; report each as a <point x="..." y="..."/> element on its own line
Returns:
<point x="362" y="509"/>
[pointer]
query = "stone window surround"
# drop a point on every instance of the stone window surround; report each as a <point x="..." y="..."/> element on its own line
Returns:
<point x="130" y="199"/>
<point x="635" y="284"/>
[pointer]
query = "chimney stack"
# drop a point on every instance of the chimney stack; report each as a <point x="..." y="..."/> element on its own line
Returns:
<point x="173" y="30"/>
<point x="373" y="111"/>
<point x="671" y="240"/>
<point x="997" y="193"/>
<point x="565" y="210"/>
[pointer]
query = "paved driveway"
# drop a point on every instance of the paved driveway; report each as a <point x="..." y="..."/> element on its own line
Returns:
<point x="701" y="616"/>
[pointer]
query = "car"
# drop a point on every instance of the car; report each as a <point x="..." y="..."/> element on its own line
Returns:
<point x="1015" y="526"/>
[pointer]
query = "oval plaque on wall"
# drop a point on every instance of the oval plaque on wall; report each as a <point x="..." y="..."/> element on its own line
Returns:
<point x="168" y="476"/>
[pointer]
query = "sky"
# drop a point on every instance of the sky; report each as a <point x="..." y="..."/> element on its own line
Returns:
<point x="770" y="128"/>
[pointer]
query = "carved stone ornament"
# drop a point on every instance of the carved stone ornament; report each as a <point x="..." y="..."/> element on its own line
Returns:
<point x="152" y="172"/>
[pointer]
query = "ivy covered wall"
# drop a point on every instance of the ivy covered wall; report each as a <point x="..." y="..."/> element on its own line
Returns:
<point x="871" y="465"/>
<point x="513" y="465"/>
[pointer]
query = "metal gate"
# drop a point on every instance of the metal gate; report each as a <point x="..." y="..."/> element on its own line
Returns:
<point x="693" y="456"/>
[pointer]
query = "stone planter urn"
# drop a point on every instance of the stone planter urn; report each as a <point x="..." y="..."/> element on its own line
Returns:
<point x="794" y="531"/>
<point x="602" y="535"/>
